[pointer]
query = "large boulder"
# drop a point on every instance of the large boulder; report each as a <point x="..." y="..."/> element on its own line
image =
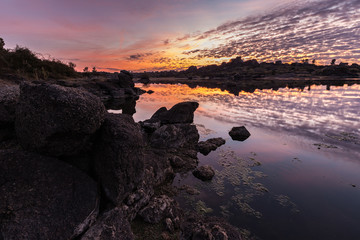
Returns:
<point x="239" y="133"/>
<point x="43" y="198"/>
<point x="205" y="147"/>
<point x="180" y="113"/>
<point x="111" y="226"/>
<point x="125" y="80"/>
<point x="175" y="136"/>
<point x="9" y="97"/>
<point x="56" y="120"/>
<point x="119" y="157"/>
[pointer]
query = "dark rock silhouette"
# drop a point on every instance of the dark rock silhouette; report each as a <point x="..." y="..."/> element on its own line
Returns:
<point x="180" y="113"/>
<point x="112" y="225"/>
<point x="205" y="147"/>
<point x="204" y="173"/>
<point x="160" y="208"/>
<point x="56" y="120"/>
<point x="175" y="136"/>
<point x="119" y="157"/>
<point x="9" y="97"/>
<point x="125" y="80"/>
<point x="207" y="228"/>
<point x="239" y="133"/>
<point x="43" y="198"/>
<point x="132" y="164"/>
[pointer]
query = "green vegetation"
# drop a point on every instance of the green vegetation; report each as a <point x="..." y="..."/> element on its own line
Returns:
<point x="22" y="62"/>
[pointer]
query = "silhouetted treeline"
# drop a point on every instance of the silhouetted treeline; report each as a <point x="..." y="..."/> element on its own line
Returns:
<point x="22" y="62"/>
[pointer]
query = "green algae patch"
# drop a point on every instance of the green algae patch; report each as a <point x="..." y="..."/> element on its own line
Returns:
<point x="238" y="178"/>
<point x="285" y="201"/>
<point x="201" y="208"/>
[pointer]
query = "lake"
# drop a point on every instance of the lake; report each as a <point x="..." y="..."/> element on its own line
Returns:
<point x="296" y="177"/>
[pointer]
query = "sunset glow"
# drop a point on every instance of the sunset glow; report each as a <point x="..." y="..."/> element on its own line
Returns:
<point x="171" y="35"/>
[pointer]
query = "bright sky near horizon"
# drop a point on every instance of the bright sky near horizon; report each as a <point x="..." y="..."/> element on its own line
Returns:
<point x="150" y="35"/>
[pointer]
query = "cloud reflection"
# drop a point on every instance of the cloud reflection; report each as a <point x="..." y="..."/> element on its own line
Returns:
<point x="313" y="113"/>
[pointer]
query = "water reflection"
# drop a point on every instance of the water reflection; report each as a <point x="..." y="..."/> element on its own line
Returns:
<point x="290" y="176"/>
<point x="315" y="113"/>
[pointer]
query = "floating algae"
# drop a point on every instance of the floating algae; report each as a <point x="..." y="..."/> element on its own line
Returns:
<point x="344" y="137"/>
<point x="285" y="201"/>
<point x="202" y="209"/>
<point x="239" y="174"/>
<point x="321" y="145"/>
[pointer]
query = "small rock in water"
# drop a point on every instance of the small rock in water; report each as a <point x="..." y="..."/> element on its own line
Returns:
<point x="205" y="147"/>
<point x="239" y="133"/>
<point x="204" y="173"/>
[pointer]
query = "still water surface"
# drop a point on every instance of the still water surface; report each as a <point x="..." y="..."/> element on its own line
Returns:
<point x="296" y="177"/>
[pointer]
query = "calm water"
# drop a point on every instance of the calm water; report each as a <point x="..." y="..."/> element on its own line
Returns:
<point x="296" y="177"/>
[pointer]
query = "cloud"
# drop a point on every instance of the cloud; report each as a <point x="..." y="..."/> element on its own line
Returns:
<point x="314" y="29"/>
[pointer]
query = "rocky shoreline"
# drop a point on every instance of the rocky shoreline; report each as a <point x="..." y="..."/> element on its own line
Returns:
<point x="71" y="170"/>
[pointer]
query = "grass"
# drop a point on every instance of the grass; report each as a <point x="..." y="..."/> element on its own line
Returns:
<point x="22" y="62"/>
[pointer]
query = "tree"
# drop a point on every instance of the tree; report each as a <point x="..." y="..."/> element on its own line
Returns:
<point x="94" y="70"/>
<point x="305" y="61"/>
<point x="333" y="62"/>
<point x="2" y="44"/>
<point x="313" y="61"/>
<point x="72" y="65"/>
<point x="86" y="69"/>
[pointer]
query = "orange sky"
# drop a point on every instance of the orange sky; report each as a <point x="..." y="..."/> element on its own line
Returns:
<point x="165" y="35"/>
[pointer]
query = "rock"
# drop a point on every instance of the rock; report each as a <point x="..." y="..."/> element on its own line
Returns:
<point x="158" y="209"/>
<point x="111" y="226"/>
<point x="204" y="173"/>
<point x="176" y="161"/>
<point x="180" y="113"/>
<point x="169" y="225"/>
<point x="150" y="126"/>
<point x="209" y="228"/>
<point x="9" y="97"/>
<point x="239" y="133"/>
<point x="43" y="198"/>
<point x="144" y="80"/>
<point x="56" y="120"/>
<point x="175" y="136"/>
<point x="150" y="92"/>
<point x="125" y="80"/>
<point x="210" y="145"/>
<point x="118" y="155"/>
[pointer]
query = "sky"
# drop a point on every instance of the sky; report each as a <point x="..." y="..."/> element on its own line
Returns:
<point x="156" y="35"/>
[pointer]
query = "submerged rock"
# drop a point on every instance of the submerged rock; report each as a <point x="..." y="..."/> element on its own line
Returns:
<point x="119" y="157"/>
<point x="43" y="198"/>
<point x="205" y="147"/>
<point x="239" y="133"/>
<point x="56" y="120"/>
<point x="204" y="173"/>
<point x="111" y="226"/>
